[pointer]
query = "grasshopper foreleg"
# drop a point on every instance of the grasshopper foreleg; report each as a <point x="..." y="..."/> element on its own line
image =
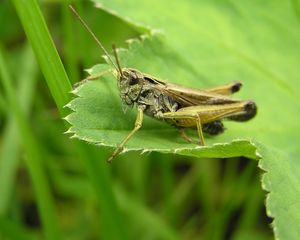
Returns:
<point x="93" y="77"/>
<point x="137" y="126"/>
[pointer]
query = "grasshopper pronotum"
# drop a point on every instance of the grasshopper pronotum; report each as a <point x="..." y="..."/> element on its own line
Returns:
<point x="180" y="106"/>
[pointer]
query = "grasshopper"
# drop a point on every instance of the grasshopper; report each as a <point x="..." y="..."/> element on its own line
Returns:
<point x="180" y="106"/>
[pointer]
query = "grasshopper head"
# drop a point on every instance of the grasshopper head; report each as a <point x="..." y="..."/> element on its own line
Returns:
<point x="130" y="84"/>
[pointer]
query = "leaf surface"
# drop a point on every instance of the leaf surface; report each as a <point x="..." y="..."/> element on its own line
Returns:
<point x="204" y="44"/>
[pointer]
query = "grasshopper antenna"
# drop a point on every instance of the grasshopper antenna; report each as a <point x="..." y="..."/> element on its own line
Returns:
<point x="117" y="59"/>
<point x="117" y="67"/>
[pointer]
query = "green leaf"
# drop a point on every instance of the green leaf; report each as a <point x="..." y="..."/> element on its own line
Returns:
<point x="98" y="115"/>
<point x="208" y="43"/>
<point x="282" y="181"/>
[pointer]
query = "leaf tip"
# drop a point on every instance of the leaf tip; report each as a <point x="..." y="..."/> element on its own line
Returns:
<point x="69" y="131"/>
<point x="89" y="71"/>
<point x="74" y="136"/>
<point x="75" y="91"/>
<point x="68" y="105"/>
<point x="67" y="118"/>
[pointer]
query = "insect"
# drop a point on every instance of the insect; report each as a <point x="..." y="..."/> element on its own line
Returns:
<point x="180" y="106"/>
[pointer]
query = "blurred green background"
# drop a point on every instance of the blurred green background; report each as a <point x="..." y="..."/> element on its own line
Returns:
<point x="53" y="187"/>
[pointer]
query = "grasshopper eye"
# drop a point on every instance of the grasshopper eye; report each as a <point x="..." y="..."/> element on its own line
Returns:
<point x="133" y="81"/>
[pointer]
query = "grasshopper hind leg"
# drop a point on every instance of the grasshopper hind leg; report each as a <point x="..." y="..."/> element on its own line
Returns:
<point x="190" y="116"/>
<point x="250" y="112"/>
<point x="226" y="89"/>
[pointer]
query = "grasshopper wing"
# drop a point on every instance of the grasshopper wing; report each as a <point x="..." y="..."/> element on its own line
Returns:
<point x="189" y="96"/>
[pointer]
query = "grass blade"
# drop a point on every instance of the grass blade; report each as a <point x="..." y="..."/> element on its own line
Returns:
<point x="46" y="54"/>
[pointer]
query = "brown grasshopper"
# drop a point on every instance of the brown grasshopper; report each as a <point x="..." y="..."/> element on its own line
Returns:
<point x="180" y="106"/>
